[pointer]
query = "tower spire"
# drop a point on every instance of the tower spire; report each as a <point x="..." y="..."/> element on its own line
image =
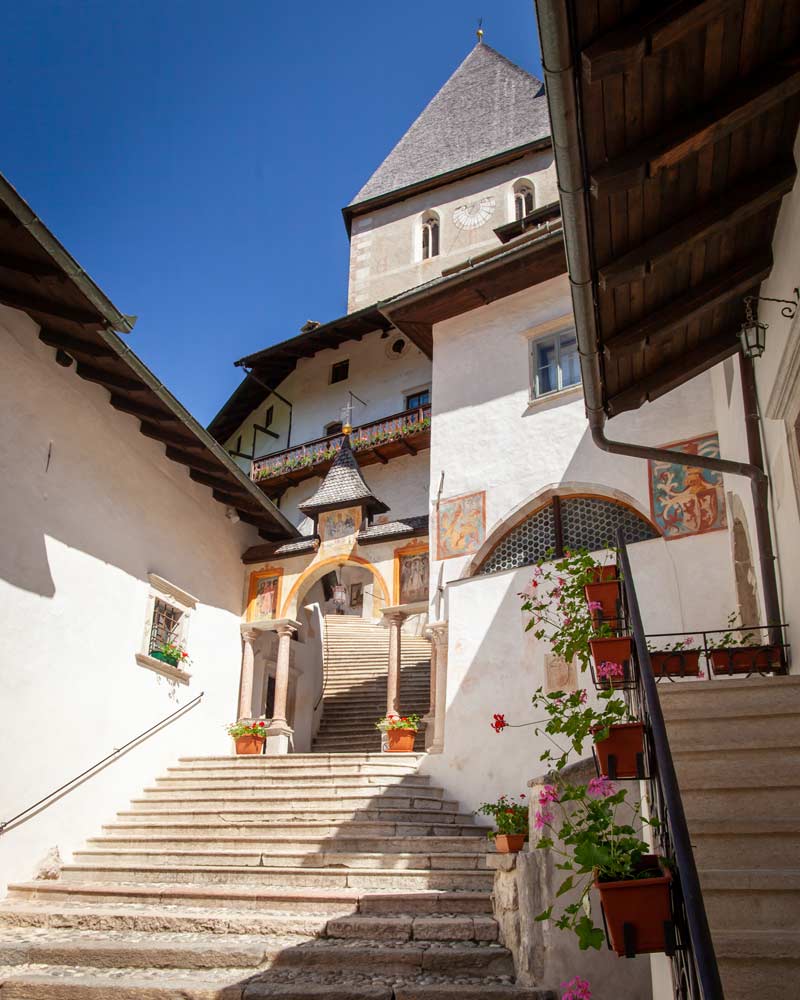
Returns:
<point x="479" y="32"/>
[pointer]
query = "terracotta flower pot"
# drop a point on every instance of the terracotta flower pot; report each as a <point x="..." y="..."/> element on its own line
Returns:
<point x="616" y="649"/>
<point x="249" y="744"/>
<point x="607" y="593"/>
<point x="747" y="659"/>
<point x="400" y="740"/>
<point x="681" y="663"/>
<point x="509" y="843"/>
<point x="602" y="574"/>
<point x="642" y="904"/>
<point x="618" y="756"/>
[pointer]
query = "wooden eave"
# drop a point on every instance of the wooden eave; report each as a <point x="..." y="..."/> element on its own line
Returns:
<point x="493" y="276"/>
<point x="511" y="230"/>
<point x="76" y="320"/>
<point x="272" y="365"/>
<point x="688" y="112"/>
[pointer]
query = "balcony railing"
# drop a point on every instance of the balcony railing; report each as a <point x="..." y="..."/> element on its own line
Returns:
<point x="379" y="441"/>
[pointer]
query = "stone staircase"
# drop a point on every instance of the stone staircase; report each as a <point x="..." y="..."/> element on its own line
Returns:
<point x="306" y="877"/>
<point x="736" y="745"/>
<point x="356" y="659"/>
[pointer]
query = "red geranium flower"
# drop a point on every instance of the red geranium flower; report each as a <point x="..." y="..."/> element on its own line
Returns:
<point x="498" y="722"/>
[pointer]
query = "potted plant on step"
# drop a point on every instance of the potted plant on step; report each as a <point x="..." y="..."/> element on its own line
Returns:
<point x="172" y="653"/>
<point x="511" y="820"/>
<point x="248" y="737"/>
<point x="676" y="659"/>
<point x="739" y="652"/>
<point x="601" y="850"/>
<point x="400" y="730"/>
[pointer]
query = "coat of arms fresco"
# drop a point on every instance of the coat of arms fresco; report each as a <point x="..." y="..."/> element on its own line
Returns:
<point x="461" y="525"/>
<point x="686" y="500"/>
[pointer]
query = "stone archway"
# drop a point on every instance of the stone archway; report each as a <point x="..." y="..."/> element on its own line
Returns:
<point x="320" y="568"/>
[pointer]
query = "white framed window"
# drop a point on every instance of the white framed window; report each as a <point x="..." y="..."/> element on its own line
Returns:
<point x="417" y="398"/>
<point x="524" y="199"/>
<point x="167" y="617"/>
<point x="430" y="235"/>
<point x="554" y="363"/>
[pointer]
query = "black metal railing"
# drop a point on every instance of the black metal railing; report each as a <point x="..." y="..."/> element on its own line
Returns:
<point x="46" y="800"/>
<point x="694" y="964"/>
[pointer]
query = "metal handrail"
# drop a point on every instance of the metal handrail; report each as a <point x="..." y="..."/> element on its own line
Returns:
<point x="697" y="952"/>
<point x="167" y="719"/>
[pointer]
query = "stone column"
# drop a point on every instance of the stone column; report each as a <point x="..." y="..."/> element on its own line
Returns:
<point x="279" y="733"/>
<point x="439" y="659"/>
<point x="395" y="619"/>
<point x="249" y="637"/>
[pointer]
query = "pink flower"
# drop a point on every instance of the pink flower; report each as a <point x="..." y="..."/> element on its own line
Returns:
<point x="538" y="571"/>
<point x="689" y="641"/>
<point x="600" y="788"/>
<point x="543" y="816"/>
<point x="567" y="620"/>
<point x="576" y="989"/>
<point x="595" y="605"/>
<point x="549" y="793"/>
<point x="701" y="673"/>
<point x="561" y="581"/>
<point x="608" y="670"/>
<point x="583" y="697"/>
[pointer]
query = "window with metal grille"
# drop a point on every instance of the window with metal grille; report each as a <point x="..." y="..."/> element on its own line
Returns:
<point x="567" y="523"/>
<point x="166" y="625"/>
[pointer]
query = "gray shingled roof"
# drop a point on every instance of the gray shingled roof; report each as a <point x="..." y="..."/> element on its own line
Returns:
<point x="487" y="107"/>
<point x="343" y="486"/>
<point x="407" y="528"/>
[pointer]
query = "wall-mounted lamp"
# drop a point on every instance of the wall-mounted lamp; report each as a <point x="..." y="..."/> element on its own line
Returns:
<point x="753" y="332"/>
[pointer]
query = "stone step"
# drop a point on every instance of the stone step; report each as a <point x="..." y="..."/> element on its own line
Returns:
<point x="751" y="841"/>
<point x="60" y="983"/>
<point x="253" y="779"/>
<point x="169" y="950"/>
<point x="727" y="735"/>
<point x="290" y="842"/>
<point x="747" y="764"/>
<point x="214" y="828"/>
<point x="723" y="802"/>
<point x="277" y="792"/>
<point x="261" y="766"/>
<point x="731" y="698"/>
<point x="404" y="879"/>
<point x="758" y="963"/>
<point x="741" y="899"/>
<point x="284" y="799"/>
<point x="186" y="919"/>
<point x="297" y="858"/>
<point x="303" y="759"/>
<point x="276" y="899"/>
<point x="287" y="815"/>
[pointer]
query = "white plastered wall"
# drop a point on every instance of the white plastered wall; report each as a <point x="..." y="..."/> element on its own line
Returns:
<point x="90" y="507"/>
<point x="386" y="244"/>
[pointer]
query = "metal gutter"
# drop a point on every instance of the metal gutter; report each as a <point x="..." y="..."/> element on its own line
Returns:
<point x="39" y="231"/>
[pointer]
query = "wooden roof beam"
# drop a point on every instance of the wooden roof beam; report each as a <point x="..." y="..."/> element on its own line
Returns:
<point x="111" y="380"/>
<point x="74" y="345"/>
<point x="644" y="35"/>
<point x="716" y="291"/>
<point x="409" y="447"/>
<point x="381" y="458"/>
<point x="167" y="435"/>
<point x="26" y="265"/>
<point x="673" y="374"/>
<point x="745" y="199"/>
<point x="233" y="500"/>
<point x="215" y="482"/>
<point x="141" y="410"/>
<point x="190" y="460"/>
<point x="734" y="108"/>
<point x="48" y="307"/>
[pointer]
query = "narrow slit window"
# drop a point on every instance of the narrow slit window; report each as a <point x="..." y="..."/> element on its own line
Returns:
<point x="524" y="200"/>
<point x="430" y="237"/>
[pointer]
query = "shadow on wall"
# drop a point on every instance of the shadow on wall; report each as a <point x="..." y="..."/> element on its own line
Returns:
<point x="77" y="472"/>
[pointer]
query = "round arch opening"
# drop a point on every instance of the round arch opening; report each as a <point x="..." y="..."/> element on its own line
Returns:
<point x="366" y="590"/>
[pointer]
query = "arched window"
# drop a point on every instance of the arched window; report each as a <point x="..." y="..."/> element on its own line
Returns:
<point x="430" y="235"/>
<point x="567" y="522"/>
<point x="524" y="199"/>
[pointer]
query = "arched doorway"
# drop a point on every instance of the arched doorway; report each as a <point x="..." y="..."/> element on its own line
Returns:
<point x="366" y="591"/>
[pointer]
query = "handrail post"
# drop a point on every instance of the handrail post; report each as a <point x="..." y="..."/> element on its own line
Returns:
<point x="696" y="918"/>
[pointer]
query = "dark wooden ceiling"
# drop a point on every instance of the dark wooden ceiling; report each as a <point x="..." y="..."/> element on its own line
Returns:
<point x="688" y="113"/>
<point x="58" y="296"/>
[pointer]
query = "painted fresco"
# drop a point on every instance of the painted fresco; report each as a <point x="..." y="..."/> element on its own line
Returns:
<point x="685" y="500"/>
<point x="265" y="598"/>
<point x="337" y="524"/>
<point x="461" y="525"/>
<point x="413" y="577"/>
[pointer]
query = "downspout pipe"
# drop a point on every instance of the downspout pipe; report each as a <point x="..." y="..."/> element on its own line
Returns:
<point x="562" y="98"/>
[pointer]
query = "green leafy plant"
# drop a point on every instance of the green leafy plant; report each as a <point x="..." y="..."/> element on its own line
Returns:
<point x="687" y="645"/>
<point x="174" y="651"/>
<point x="557" y="606"/>
<point x="237" y="729"/>
<point x="388" y="722"/>
<point x="510" y="817"/>
<point x="734" y="636"/>
<point x="581" y="823"/>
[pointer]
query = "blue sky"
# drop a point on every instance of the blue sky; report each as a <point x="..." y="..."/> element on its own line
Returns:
<point x="194" y="156"/>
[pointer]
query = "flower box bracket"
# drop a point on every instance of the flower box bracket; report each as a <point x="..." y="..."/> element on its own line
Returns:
<point x="640" y="775"/>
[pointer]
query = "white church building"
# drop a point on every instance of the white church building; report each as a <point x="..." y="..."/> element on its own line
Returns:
<point x="349" y="536"/>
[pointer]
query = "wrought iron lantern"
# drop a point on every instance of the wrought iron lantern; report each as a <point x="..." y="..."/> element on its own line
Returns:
<point x="753" y="333"/>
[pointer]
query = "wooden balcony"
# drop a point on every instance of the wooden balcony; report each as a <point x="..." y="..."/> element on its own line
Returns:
<point x="382" y="440"/>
